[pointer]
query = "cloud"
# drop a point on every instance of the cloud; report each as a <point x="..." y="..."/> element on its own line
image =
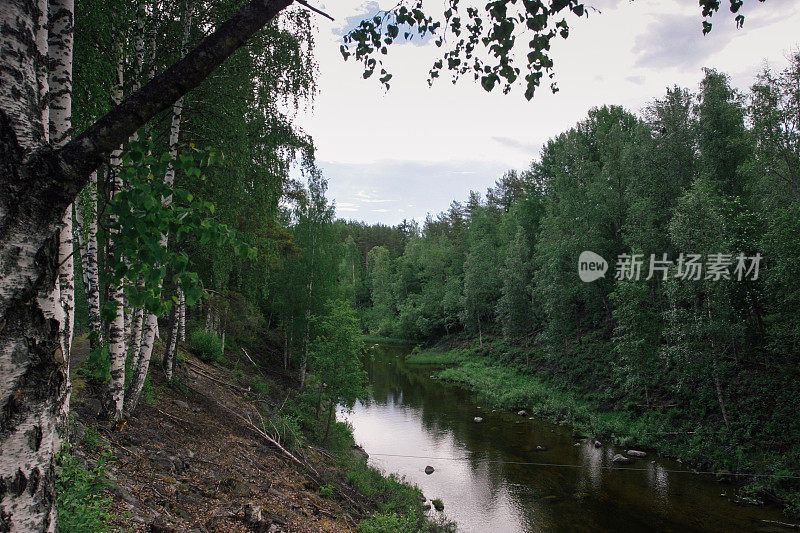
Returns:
<point x="405" y="189"/>
<point x="371" y="9"/>
<point x="368" y="9"/>
<point x="529" y="148"/>
<point x="677" y="40"/>
<point x="418" y="148"/>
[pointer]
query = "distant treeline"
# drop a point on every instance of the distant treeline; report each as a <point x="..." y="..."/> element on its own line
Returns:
<point x="711" y="172"/>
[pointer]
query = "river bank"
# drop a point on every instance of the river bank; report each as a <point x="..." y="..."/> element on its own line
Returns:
<point x="525" y="474"/>
<point x="190" y="460"/>
<point x="597" y="409"/>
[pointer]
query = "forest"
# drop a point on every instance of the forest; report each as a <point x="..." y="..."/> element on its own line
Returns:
<point x="704" y="362"/>
<point x="171" y="265"/>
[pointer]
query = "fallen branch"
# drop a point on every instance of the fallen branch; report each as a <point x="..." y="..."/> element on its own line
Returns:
<point x="248" y="357"/>
<point x="264" y="435"/>
<point x="173" y="417"/>
<point x="197" y="370"/>
<point x="783" y="524"/>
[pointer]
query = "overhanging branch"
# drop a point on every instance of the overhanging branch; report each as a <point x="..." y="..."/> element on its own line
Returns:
<point x="87" y="151"/>
<point x="314" y="9"/>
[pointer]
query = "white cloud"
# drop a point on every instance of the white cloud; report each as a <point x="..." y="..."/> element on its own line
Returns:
<point x="431" y="145"/>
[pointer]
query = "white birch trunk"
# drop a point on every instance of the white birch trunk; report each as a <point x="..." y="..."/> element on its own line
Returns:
<point x="42" y="75"/>
<point x="169" y="180"/>
<point x="141" y="363"/>
<point x="116" y="330"/>
<point x="128" y="322"/>
<point x="89" y="250"/>
<point x="172" y="343"/>
<point x="33" y="381"/>
<point x="66" y="281"/>
<point x="182" y="317"/>
<point x="136" y="333"/>
<point x="59" y="52"/>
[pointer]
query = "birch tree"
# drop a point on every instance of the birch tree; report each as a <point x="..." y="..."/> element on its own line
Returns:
<point x="39" y="183"/>
<point x="169" y="179"/>
<point x="116" y="330"/>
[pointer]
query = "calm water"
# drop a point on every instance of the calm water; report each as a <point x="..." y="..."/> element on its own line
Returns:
<point x="484" y="491"/>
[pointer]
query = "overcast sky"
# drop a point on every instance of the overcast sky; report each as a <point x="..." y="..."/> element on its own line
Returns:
<point x="410" y="151"/>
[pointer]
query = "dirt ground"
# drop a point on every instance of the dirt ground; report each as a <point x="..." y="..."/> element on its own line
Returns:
<point x="187" y="462"/>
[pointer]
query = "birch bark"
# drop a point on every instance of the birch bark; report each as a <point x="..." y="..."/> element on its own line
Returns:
<point x="116" y="329"/>
<point x="87" y="244"/>
<point x="37" y="185"/>
<point x="169" y="180"/>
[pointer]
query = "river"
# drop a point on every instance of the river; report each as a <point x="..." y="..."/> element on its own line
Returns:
<point x="484" y="476"/>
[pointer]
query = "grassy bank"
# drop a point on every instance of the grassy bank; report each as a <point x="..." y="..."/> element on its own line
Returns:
<point x="596" y="407"/>
<point x="387" y="503"/>
<point x="394" y="341"/>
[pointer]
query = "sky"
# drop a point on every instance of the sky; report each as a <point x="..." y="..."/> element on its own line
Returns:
<point x="410" y="151"/>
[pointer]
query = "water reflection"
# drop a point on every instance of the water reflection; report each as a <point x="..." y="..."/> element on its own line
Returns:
<point x="412" y="421"/>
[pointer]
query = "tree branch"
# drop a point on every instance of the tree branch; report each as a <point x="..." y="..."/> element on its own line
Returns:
<point x="87" y="151"/>
<point x="314" y="9"/>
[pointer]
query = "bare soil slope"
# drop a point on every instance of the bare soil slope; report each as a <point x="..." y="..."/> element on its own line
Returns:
<point x="188" y="462"/>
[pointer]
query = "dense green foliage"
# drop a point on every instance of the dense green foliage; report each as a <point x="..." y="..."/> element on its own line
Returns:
<point x="713" y="359"/>
<point x="81" y="501"/>
<point x="206" y="345"/>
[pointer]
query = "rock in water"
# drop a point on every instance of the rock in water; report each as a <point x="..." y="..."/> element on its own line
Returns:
<point x="358" y="451"/>
<point x="522" y="413"/>
<point x="637" y="453"/>
<point x="429" y="470"/>
<point x="477" y="419"/>
<point x="621" y="459"/>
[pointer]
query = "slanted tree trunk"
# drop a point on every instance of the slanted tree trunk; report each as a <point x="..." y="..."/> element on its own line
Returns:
<point x="141" y="363"/>
<point x="136" y="331"/>
<point x="37" y="184"/>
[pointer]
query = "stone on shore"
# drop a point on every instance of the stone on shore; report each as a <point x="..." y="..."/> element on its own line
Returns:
<point x="621" y="459"/>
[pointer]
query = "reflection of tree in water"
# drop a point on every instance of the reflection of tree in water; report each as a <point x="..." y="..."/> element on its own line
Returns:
<point x="540" y="497"/>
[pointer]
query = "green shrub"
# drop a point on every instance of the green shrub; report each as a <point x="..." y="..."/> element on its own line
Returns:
<point x="150" y="392"/>
<point x="206" y="345"/>
<point x="96" y="367"/>
<point x="259" y="385"/>
<point x="81" y="503"/>
<point x="327" y="491"/>
<point x="90" y="440"/>
<point x="390" y="523"/>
